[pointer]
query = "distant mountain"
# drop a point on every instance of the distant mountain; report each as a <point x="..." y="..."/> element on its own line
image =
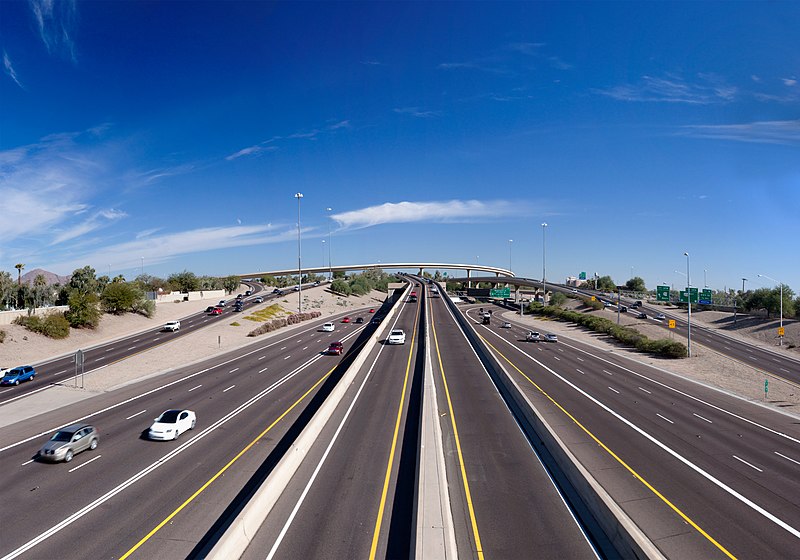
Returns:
<point x="50" y="277"/>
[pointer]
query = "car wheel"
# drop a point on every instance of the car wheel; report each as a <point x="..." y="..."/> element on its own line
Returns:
<point x="68" y="456"/>
<point x="16" y="382"/>
<point x="32" y="376"/>
<point x="93" y="445"/>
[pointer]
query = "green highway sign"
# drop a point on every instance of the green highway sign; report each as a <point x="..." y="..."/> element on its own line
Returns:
<point x="582" y="276"/>
<point x="693" y="294"/>
<point x="662" y="293"/>
<point x="705" y="297"/>
<point x="500" y="293"/>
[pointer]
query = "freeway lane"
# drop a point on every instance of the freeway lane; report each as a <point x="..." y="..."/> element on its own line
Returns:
<point x="504" y="503"/>
<point x="726" y="465"/>
<point x="354" y="492"/>
<point x="62" y="369"/>
<point x="139" y="482"/>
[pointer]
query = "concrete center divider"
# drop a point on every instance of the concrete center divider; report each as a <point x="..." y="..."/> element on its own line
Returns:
<point x="620" y="530"/>
<point x="244" y="527"/>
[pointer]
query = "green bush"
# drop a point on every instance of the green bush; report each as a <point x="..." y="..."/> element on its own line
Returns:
<point x="52" y="325"/>
<point x="2" y="336"/>
<point x="626" y="335"/>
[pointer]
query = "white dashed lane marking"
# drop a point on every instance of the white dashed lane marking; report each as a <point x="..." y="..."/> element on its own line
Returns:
<point x="137" y="414"/>
<point x="752" y="466"/>
<point x="84" y="464"/>
<point x="664" y="418"/>
<point x="701" y="418"/>
<point x="645" y="390"/>
<point x="193" y="388"/>
<point x="229" y="388"/>
<point x="612" y="388"/>
<point x="787" y="458"/>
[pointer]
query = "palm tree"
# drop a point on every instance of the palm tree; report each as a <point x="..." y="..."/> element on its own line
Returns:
<point x="19" y="268"/>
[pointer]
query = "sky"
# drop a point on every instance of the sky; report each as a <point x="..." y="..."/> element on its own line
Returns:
<point x="171" y="136"/>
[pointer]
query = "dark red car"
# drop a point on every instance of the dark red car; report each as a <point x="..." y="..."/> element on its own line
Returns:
<point x="346" y="320"/>
<point x="372" y="310"/>
<point x="216" y="311"/>
<point x="335" y="349"/>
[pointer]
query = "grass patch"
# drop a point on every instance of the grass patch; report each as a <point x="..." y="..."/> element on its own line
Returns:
<point x="236" y="324"/>
<point x="266" y="314"/>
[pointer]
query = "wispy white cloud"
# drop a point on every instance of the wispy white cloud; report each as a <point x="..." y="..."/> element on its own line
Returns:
<point x="442" y="211"/>
<point x="161" y="248"/>
<point x="789" y="81"/>
<point x="417" y="112"/>
<point x="56" y="22"/>
<point x="251" y="150"/>
<point x="761" y="132"/>
<point x="268" y="145"/>
<point x="97" y="220"/>
<point x="371" y="63"/>
<point x="673" y="89"/>
<point x="9" y="69"/>
<point x="147" y="232"/>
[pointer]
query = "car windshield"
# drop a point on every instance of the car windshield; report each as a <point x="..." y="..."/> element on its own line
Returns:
<point x="62" y="436"/>
<point x="169" y="417"/>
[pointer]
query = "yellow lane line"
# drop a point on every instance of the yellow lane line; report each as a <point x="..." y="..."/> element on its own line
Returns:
<point x="614" y="455"/>
<point x="376" y="532"/>
<point x="467" y="493"/>
<point x="223" y="469"/>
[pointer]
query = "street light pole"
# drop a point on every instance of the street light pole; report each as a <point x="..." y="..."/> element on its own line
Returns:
<point x="734" y="300"/>
<point x="330" y="246"/>
<point x="544" y="274"/>
<point x="689" y="299"/>
<point x="323" y="253"/>
<point x="299" y="196"/>
<point x="780" y="338"/>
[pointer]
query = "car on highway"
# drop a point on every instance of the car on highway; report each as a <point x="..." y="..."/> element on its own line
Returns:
<point x="249" y="293"/>
<point x="297" y="288"/>
<point x="636" y="304"/>
<point x="641" y="315"/>
<point x="372" y="310"/>
<point x="661" y="317"/>
<point x="3" y="371"/>
<point x="221" y="303"/>
<point x="375" y="321"/>
<point x="172" y="326"/>
<point x="550" y="337"/>
<point x="397" y="336"/>
<point x="346" y="320"/>
<point x="276" y="291"/>
<point x="259" y="299"/>
<point x="533" y="336"/>
<point x="328" y="327"/>
<point x="505" y="325"/>
<point x="623" y="309"/>
<point x="18" y="374"/>
<point x="335" y="349"/>
<point x="68" y="442"/>
<point x="359" y="320"/>
<point x="171" y="424"/>
<point x="216" y="311"/>
<point x="239" y="296"/>
<point x="210" y="308"/>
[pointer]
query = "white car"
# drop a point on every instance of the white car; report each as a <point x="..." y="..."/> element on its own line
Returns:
<point x="397" y="336"/>
<point x="328" y="327"/>
<point x="171" y="424"/>
<point x="172" y="326"/>
<point x="259" y="299"/>
<point x="533" y="336"/>
<point x="661" y="317"/>
<point x="550" y="337"/>
<point x="505" y="325"/>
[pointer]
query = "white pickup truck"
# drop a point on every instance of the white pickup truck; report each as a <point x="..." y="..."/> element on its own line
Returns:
<point x="172" y="326"/>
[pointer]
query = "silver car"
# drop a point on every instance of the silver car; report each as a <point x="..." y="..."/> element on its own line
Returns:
<point x="69" y="441"/>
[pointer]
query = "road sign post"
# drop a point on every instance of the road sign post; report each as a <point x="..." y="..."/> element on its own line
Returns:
<point x="705" y="297"/>
<point x="662" y="293"/>
<point x="766" y="388"/>
<point x="500" y="293"/>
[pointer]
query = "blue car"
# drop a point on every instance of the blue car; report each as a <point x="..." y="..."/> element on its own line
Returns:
<point x="21" y="373"/>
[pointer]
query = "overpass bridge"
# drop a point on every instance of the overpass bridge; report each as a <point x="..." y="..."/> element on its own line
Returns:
<point x="419" y="267"/>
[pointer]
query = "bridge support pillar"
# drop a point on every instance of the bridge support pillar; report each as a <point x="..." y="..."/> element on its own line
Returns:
<point x="469" y="281"/>
<point x="420" y="272"/>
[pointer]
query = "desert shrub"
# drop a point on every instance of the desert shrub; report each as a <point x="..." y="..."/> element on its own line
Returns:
<point x="84" y="310"/>
<point x="52" y="325"/>
<point x="144" y="307"/>
<point x="2" y="336"/>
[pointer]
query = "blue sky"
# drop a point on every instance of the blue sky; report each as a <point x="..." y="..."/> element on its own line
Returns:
<point x="179" y="132"/>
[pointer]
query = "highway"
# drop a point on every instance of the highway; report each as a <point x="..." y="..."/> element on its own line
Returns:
<point x="117" y="496"/>
<point x="705" y="475"/>
<point x="62" y="369"/>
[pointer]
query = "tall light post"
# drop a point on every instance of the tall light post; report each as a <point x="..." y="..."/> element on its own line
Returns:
<point x="323" y="253"/>
<point x="330" y="246"/>
<point x="780" y="338"/>
<point x="705" y="278"/>
<point x="299" y="197"/>
<point x="544" y="273"/>
<point x="734" y="300"/>
<point x="689" y="299"/>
